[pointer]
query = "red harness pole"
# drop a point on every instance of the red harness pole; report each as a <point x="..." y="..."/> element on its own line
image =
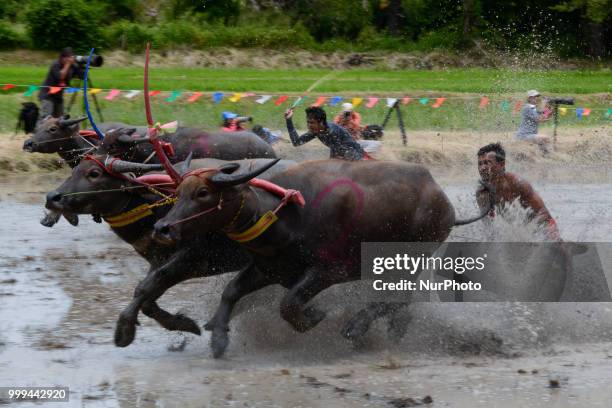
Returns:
<point x="159" y="151"/>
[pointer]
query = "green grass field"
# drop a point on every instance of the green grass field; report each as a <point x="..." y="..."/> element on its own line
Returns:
<point x="461" y="111"/>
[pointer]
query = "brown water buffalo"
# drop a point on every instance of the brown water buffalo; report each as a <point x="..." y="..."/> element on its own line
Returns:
<point x="207" y="254"/>
<point x="312" y="248"/>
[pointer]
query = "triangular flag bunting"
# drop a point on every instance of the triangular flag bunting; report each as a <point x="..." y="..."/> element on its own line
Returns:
<point x="372" y="101"/>
<point x="406" y="100"/>
<point x="505" y="106"/>
<point x="94" y="91"/>
<point x="194" y="97"/>
<point x="172" y="98"/>
<point x="517" y="107"/>
<point x="579" y="112"/>
<point x="608" y="113"/>
<point x="263" y="99"/>
<point x="484" y="101"/>
<point x="320" y="101"/>
<point x="7" y="87"/>
<point x="153" y="93"/>
<point x="236" y="97"/>
<point x="31" y="90"/>
<point x="423" y="101"/>
<point x="217" y="97"/>
<point x="391" y="102"/>
<point x="356" y="102"/>
<point x="132" y="94"/>
<point x="335" y="100"/>
<point x="563" y="111"/>
<point x="112" y="94"/>
<point x="280" y="100"/>
<point x="438" y="102"/>
<point x="54" y="89"/>
<point x="72" y="90"/>
<point x="586" y="112"/>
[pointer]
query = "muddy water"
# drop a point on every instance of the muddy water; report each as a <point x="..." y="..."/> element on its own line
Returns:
<point x="62" y="288"/>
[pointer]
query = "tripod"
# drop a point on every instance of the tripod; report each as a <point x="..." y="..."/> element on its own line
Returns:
<point x="73" y="98"/>
<point x="400" y="119"/>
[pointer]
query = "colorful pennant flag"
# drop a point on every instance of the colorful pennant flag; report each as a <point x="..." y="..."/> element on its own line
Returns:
<point x="132" y="94"/>
<point x="320" y="101"/>
<point x="423" y="101"/>
<point x="356" y="102"/>
<point x="335" y="100"/>
<point x="172" y="98"/>
<point x="112" y="94"/>
<point x="406" y="100"/>
<point x="505" y="106"/>
<point x="608" y="113"/>
<point x="7" y="87"/>
<point x="438" y="103"/>
<point x="31" y="90"/>
<point x="153" y="93"/>
<point x="280" y="100"/>
<point x="517" y="107"/>
<point x="298" y="101"/>
<point x="263" y="99"/>
<point x="563" y="111"/>
<point x="217" y="97"/>
<point x="586" y="111"/>
<point x="54" y="89"/>
<point x="236" y="97"/>
<point x="371" y="102"/>
<point x="391" y="102"/>
<point x="484" y="102"/>
<point x="579" y="112"/>
<point x="194" y="97"/>
<point x="94" y="91"/>
<point x="72" y="90"/>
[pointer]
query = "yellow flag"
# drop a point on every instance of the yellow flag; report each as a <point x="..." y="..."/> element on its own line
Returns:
<point x="356" y="101"/>
<point x="94" y="91"/>
<point x="563" y="111"/>
<point x="236" y="97"/>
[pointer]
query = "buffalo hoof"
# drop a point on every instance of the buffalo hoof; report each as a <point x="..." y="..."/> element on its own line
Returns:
<point x="312" y="317"/>
<point x="125" y="332"/>
<point x="186" y="324"/>
<point x="50" y="219"/>
<point x="73" y="219"/>
<point x="218" y="342"/>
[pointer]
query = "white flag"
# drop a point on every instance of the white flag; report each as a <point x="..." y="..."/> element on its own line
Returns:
<point x="391" y="102"/>
<point x="132" y="94"/>
<point x="263" y="99"/>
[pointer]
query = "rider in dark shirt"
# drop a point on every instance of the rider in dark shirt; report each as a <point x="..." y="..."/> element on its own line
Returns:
<point x="340" y="142"/>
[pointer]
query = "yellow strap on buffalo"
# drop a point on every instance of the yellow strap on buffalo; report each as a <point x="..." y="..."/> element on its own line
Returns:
<point x="129" y="217"/>
<point x="256" y="230"/>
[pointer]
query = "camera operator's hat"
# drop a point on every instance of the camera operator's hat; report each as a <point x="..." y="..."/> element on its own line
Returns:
<point x="228" y="115"/>
<point x="347" y="106"/>
<point x="533" y="92"/>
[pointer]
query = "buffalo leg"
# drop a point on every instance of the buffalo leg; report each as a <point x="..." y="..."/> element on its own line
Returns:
<point x="360" y="323"/>
<point x="157" y="282"/>
<point x="293" y="308"/>
<point x="247" y="281"/>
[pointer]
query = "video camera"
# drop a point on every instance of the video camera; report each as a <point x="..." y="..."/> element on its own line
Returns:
<point x="96" y="60"/>
<point x="560" y="101"/>
<point x="242" y="119"/>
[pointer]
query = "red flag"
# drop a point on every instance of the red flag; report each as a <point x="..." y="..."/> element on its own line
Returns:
<point x="153" y="93"/>
<point x="371" y="102"/>
<point x="280" y="100"/>
<point x="586" y="112"/>
<point x="8" y="86"/>
<point x="320" y="101"/>
<point x="438" y="103"/>
<point x="194" y="97"/>
<point x="517" y="107"/>
<point x="54" y="89"/>
<point x="406" y="100"/>
<point x="484" y="101"/>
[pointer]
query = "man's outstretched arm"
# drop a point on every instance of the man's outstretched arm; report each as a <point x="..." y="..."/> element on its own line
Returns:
<point x="296" y="140"/>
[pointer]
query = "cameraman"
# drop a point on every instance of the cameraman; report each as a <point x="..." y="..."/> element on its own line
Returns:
<point x="60" y="73"/>
<point x="350" y="120"/>
<point x="231" y="122"/>
<point x="530" y="119"/>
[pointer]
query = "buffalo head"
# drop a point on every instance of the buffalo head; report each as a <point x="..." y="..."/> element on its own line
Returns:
<point x="210" y="200"/>
<point x="118" y="142"/>
<point x="92" y="190"/>
<point x="53" y="135"/>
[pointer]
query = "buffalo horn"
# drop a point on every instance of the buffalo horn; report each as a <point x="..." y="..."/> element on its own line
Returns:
<point x="227" y="175"/>
<point x="183" y="167"/>
<point x="121" y="166"/>
<point x="70" y="122"/>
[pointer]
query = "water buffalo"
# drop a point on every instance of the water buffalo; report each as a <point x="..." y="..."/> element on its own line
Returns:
<point x="312" y="248"/>
<point x="205" y="255"/>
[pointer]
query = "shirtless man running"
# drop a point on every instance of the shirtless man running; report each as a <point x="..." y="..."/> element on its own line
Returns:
<point x="509" y="187"/>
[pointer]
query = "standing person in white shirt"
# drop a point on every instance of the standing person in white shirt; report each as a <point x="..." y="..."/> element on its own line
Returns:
<point x="530" y="119"/>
